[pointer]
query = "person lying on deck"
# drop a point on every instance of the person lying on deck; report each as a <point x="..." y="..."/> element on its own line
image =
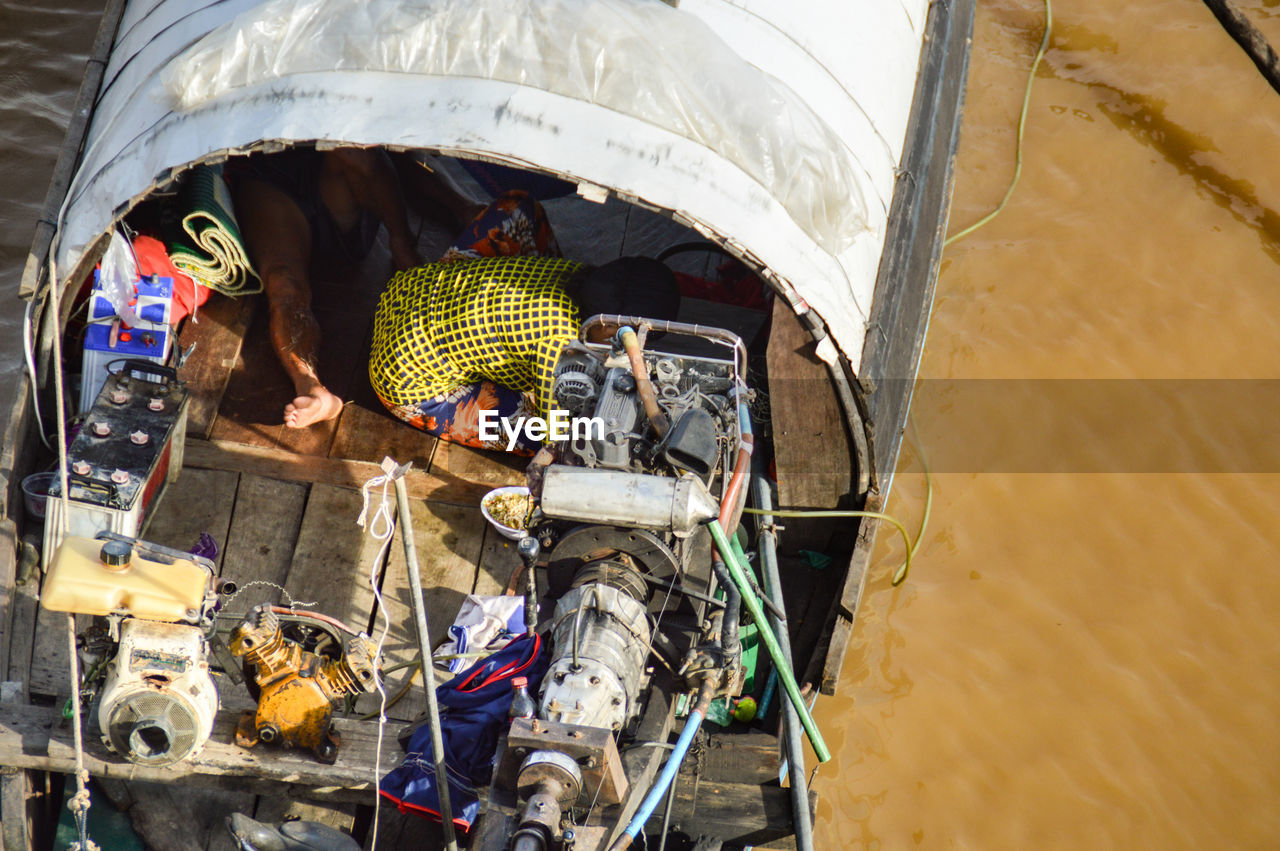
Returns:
<point x="482" y="329"/>
<point x="302" y="206"/>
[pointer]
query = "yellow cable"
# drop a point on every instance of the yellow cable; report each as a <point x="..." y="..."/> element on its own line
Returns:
<point x="902" y="572"/>
<point x="1022" y="123"/>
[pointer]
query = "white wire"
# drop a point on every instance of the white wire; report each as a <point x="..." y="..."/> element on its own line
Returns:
<point x="380" y="527"/>
<point x="29" y="351"/>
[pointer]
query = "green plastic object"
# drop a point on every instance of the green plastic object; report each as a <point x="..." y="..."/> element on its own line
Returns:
<point x="749" y="636"/>
<point x="719" y="712"/>
<point x="818" y="561"/>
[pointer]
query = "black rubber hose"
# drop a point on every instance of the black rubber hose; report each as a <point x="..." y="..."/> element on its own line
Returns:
<point x="732" y="606"/>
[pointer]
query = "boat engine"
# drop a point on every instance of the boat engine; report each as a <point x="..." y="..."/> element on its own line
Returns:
<point x="621" y="516"/>
<point x="147" y="655"/>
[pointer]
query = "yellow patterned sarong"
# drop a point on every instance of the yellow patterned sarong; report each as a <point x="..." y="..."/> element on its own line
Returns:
<point x="500" y="319"/>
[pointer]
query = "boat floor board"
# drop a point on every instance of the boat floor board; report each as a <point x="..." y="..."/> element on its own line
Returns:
<point x="199" y="501"/>
<point x="364" y="435"/>
<point x="50" y="655"/>
<point x="478" y="466"/>
<point x="449" y="541"/>
<point x="333" y="558"/>
<point x="263" y="536"/>
<point x="258" y="460"/>
<point x="22" y="612"/>
<point x="252" y="407"/>
<point x="812" y="451"/>
<point x="217" y="334"/>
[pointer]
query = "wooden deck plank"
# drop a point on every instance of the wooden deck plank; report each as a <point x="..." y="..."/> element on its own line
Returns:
<point x="812" y="451"/>
<point x="365" y="435"/>
<point x="333" y="558"/>
<point x="8" y="578"/>
<point x="50" y="673"/>
<point x="449" y="540"/>
<point x="199" y="501"/>
<point x="480" y="466"/>
<point x="23" y="608"/>
<point x="217" y="335"/>
<point x="252" y="409"/>
<point x="220" y="455"/>
<point x="498" y="562"/>
<point x="260" y="546"/>
<point x="35" y="737"/>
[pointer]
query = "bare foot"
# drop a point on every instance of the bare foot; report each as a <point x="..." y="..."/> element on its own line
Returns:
<point x="307" y="410"/>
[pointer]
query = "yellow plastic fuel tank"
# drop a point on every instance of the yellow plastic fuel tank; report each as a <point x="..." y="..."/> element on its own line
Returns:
<point x="95" y="577"/>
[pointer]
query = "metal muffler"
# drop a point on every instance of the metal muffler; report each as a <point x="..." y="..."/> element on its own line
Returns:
<point x="619" y="498"/>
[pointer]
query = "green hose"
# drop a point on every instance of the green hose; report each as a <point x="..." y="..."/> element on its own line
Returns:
<point x="780" y="661"/>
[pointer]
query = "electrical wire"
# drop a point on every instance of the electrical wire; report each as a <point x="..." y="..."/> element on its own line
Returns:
<point x="380" y="527"/>
<point x="900" y="576"/>
<point x="1022" y="124"/>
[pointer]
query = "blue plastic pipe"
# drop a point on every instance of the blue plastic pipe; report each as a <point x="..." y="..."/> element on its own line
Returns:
<point x="669" y="771"/>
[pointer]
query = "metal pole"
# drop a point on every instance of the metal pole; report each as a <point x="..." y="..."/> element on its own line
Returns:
<point x="424" y="648"/>
<point x="792" y="730"/>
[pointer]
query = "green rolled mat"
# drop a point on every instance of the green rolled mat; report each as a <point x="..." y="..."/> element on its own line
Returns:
<point x="208" y="247"/>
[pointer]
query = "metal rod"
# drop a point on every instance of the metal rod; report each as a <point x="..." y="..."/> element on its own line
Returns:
<point x="424" y="647"/>
<point x="792" y="731"/>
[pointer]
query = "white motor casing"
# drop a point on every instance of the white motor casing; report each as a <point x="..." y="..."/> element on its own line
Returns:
<point x="158" y="702"/>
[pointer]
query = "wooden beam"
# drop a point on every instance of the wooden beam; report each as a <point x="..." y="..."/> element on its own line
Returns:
<point x="262" y="461"/>
<point x="36" y="737"/>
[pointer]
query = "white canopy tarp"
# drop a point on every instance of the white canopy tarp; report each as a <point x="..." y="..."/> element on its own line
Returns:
<point x="773" y="130"/>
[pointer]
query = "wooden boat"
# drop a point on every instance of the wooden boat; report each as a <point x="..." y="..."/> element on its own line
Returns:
<point x="816" y="148"/>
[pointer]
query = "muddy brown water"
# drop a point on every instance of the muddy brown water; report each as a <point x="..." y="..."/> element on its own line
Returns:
<point x="1086" y="652"/>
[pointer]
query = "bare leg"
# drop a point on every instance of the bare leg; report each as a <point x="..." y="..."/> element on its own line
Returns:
<point x="353" y="178"/>
<point x="279" y="241"/>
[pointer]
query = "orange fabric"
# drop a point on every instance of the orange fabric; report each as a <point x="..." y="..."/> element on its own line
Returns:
<point x="153" y="259"/>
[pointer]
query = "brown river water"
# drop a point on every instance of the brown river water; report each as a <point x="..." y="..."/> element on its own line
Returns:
<point x="1085" y="654"/>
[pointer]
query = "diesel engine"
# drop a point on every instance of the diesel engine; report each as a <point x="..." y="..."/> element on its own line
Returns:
<point x="620" y="514"/>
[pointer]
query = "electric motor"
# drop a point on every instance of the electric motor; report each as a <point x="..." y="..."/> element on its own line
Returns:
<point x="158" y="703"/>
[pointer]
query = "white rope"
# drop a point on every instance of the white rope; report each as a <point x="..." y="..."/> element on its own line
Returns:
<point x="380" y="527"/>
<point x="79" y="803"/>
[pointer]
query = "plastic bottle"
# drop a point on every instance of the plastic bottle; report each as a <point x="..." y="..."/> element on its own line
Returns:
<point x="521" y="702"/>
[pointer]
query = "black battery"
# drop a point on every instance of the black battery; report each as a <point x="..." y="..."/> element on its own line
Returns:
<point x="128" y="449"/>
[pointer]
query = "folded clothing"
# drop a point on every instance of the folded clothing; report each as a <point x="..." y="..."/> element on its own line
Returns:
<point x="483" y="622"/>
<point x="474" y="712"/>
